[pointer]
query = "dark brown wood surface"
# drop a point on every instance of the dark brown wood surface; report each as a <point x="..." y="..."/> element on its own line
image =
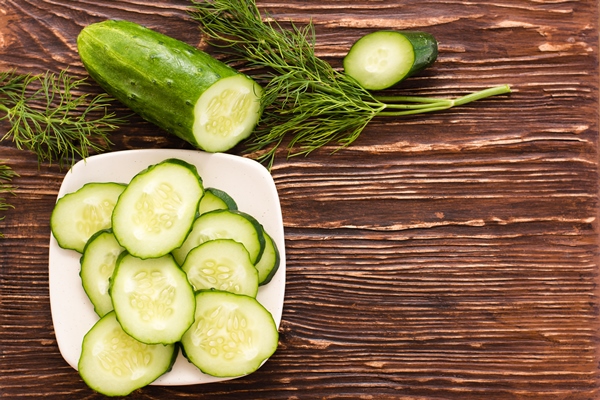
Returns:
<point x="445" y="256"/>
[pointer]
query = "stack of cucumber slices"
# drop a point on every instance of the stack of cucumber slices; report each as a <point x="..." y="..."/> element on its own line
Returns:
<point x="167" y="264"/>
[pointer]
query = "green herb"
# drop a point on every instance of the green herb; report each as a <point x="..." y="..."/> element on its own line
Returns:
<point x="50" y="116"/>
<point x="304" y="95"/>
<point x="6" y="176"/>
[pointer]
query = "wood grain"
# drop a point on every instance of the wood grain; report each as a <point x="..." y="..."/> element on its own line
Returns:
<point x="442" y="256"/>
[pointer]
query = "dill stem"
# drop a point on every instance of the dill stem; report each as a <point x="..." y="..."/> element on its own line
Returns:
<point x="429" y="104"/>
<point x="493" y="91"/>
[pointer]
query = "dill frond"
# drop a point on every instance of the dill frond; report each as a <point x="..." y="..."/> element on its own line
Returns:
<point x="6" y="188"/>
<point x="51" y="116"/>
<point x="304" y="95"/>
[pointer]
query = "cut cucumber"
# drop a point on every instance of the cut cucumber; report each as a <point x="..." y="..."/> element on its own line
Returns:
<point x="224" y="224"/>
<point x="268" y="264"/>
<point x="114" y="364"/>
<point x="216" y="199"/>
<point x="155" y="213"/>
<point x="382" y="59"/>
<point x="221" y="264"/>
<point x="179" y="88"/>
<point x="97" y="266"/>
<point x="232" y="334"/>
<point x="80" y="214"/>
<point x="152" y="298"/>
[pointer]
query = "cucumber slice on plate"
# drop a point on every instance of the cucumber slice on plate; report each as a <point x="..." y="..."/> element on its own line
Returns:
<point x="269" y="261"/>
<point x="97" y="266"/>
<point x="232" y="334"/>
<point x="382" y="59"/>
<point x="216" y="199"/>
<point x="115" y="364"/>
<point x="152" y="298"/>
<point x="155" y="213"/>
<point x="224" y="224"/>
<point x="222" y="264"/>
<point x="80" y="214"/>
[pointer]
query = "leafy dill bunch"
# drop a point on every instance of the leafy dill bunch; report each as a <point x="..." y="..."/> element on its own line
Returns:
<point x="304" y="95"/>
<point x="49" y="116"/>
<point x="6" y="176"/>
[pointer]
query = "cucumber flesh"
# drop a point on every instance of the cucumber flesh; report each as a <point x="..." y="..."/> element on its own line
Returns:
<point x="382" y="59"/>
<point x="221" y="264"/>
<point x="97" y="266"/>
<point x="224" y="224"/>
<point x="268" y="264"/>
<point x="155" y="212"/>
<point x="226" y="113"/>
<point x="115" y="364"/>
<point x="232" y="334"/>
<point x="80" y="214"/>
<point x="216" y="199"/>
<point x="152" y="298"/>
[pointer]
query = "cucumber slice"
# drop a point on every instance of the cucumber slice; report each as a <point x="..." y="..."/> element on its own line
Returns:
<point x="80" y="214"/>
<point x="382" y="59"/>
<point x="97" y="266"/>
<point x="115" y="364"/>
<point x="221" y="264"/>
<point x="153" y="300"/>
<point x="216" y="199"/>
<point x="232" y="334"/>
<point x="179" y="88"/>
<point x="269" y="261"/>
<point x="224" y="224"/>
<point x="155" y="213"/>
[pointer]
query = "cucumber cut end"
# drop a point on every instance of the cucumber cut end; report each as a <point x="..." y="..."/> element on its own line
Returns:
<point x="226" y="113"/>
<point x="379" y="60"/>
<point x="382" y="59"/>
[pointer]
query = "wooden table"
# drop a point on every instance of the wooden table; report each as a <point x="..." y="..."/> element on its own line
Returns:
<point x="448" y="255"/>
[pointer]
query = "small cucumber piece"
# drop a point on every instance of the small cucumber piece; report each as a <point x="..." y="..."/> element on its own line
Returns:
<point x="155" y="213"/>
<point x="153" y="300"/>
<point x="382" y="59"/>
<point x="179" y="88"/>
<point x="232" y="334"/>
<point x="97" y="266"/>
<point x="216" y="199"/>
<point x="115" y="364"/>
<point x="221" y="264"/>
<point x="224" y="224"/>
<point x="269" y="261"/>
<point x="80" y="214"/>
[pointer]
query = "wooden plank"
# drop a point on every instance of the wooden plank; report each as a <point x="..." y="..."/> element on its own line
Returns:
<point x="449" y="255"/>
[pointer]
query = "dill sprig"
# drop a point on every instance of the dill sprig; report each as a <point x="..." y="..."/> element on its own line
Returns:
<point x="6" y="188"/>
<point x="50" y="116"/>
<point x="304" y="95"/>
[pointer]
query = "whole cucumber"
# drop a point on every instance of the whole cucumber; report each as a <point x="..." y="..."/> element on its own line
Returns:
<point x="171" y="84"/>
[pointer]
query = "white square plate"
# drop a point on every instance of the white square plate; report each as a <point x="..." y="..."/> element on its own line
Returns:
<point x="247" y="181"/>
